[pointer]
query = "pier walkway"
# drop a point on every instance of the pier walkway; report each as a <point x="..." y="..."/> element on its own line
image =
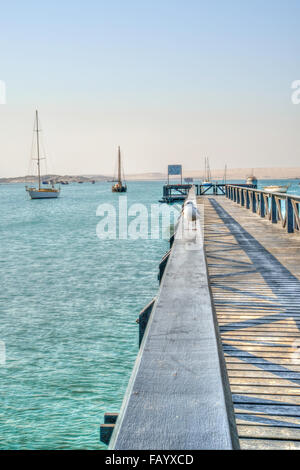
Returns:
<point x="178" y="396"/>
<point x="254" y="272"/>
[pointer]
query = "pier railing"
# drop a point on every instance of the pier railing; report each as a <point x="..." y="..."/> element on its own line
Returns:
<point x="278" y="208"/>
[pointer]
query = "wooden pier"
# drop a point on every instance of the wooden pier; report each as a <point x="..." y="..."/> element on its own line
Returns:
<point x="219" y="362"/>
<point x="178" y="396"/>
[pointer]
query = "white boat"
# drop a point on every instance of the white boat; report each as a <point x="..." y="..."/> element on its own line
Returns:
<point x="273" y="188"/>
<point x="41" y="192"/>
<point x="251" y="179"/>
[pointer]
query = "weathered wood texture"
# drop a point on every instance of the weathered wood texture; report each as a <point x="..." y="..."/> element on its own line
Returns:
<point x="254" y="270"/>
<point x="178" y="397"/>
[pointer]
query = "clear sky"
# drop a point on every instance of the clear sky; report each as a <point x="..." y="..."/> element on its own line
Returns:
<point x="170" y="81"/>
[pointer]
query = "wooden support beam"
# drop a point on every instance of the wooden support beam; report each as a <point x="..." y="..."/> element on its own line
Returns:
<point x="144" y="318"/>
<point x="106" y="431"/>
<point x="162" y="265"/>
<point x="110" y="418"/>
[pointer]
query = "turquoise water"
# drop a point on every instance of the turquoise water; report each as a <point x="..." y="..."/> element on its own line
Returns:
<point x="68" y="306"/>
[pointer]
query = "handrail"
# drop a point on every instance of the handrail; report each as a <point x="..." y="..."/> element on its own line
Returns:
<point x="268" y="205"/>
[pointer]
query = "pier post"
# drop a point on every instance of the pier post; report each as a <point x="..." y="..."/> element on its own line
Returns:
<point x="247" y="199"/>
<point x="242" y="198"/>
<point x="289" y="215"/>
<point x="273" y="210"/>
<point x="262" y="205"/>
<point x="253" y="201"/>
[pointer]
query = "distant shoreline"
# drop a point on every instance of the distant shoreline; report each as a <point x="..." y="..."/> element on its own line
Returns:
<point x="232" y="174"/>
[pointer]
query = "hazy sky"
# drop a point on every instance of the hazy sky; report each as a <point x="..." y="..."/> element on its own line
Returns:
<point x="169" y="80"/>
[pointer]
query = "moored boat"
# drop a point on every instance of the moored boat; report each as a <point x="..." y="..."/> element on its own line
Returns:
<point x="39" y="192"/>
<point x="251" y="179"/>
<point x="119" y="187"/>
<point x="273" y="188"/>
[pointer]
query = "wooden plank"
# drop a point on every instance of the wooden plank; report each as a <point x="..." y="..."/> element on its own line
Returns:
<point x="269" y="432"/>
<point x="261" y="360"/>
<point x="272" y="410"/>
<point x="262" y="374"/>
<point x="264" y="444"/>
<point x="260" y="398"/>
<point x="265" y="390"/>
<point x="250" y="419"/>
<point x="265" y="381"/>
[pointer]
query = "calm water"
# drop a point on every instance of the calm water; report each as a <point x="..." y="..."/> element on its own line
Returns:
<point x="68" y="306"/>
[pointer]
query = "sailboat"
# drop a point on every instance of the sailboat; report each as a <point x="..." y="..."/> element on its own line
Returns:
<point x="39" y="192"/>
<point x="119" y="187"/>
<point x="207" y="175"/>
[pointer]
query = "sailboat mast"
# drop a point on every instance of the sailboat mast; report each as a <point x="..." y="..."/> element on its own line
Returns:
<point x="119" y="165"/>
<point x="38" y="147"/>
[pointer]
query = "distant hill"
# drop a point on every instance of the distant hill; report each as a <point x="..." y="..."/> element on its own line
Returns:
<point x="55" y="178"/>
<point x="232" y="174"/>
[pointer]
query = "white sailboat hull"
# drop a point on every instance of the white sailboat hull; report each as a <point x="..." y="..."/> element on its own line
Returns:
<point x="276" y="189"/>
<point x="43" y="194"/>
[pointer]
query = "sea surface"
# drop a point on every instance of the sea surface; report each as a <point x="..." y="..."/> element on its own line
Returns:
<point x="68" y="308"/>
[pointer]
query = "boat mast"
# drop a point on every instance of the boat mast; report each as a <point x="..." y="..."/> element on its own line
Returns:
<point x="119" y="166"/>
<point x="38" y="147"/>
